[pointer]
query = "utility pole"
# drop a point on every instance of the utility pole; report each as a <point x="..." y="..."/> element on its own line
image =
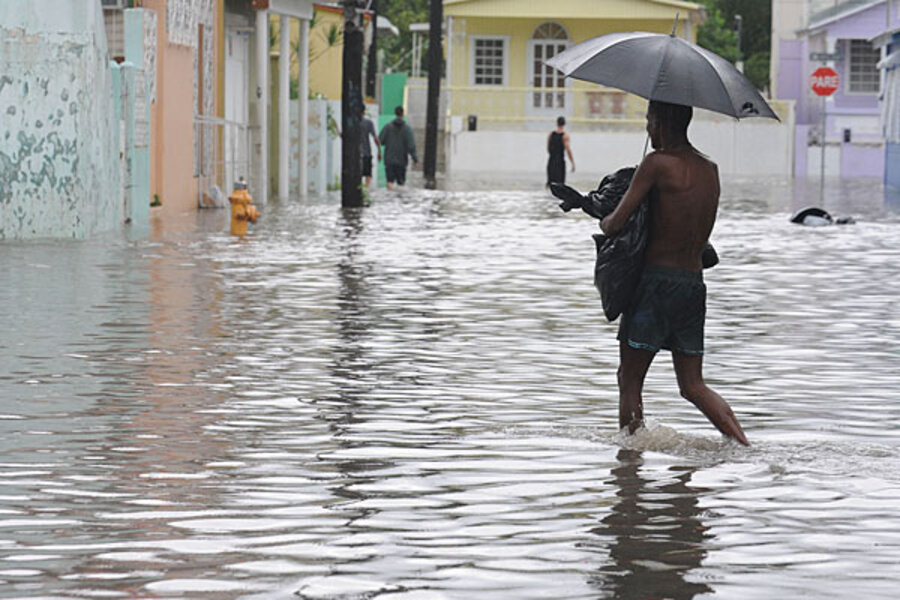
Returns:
<point x="372" y="64"/>
<point x="435" y="60"/>
<point x="351" y="108"/>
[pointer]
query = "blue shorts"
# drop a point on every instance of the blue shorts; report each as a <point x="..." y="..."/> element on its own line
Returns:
<point x="667" y="311"/>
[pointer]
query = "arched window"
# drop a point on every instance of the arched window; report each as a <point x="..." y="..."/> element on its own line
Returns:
<point x="550" y="31"/>
<point x="548" y="40"/>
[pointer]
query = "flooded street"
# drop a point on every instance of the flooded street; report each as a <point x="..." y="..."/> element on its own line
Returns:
<point x="417" y="401"/>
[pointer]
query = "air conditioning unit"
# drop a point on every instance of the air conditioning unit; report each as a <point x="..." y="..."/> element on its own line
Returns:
<point x="113" y="4"/>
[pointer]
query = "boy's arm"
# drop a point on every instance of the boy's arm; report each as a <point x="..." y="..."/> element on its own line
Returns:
<point x="641" y="184"/>
<point x="377" y="141"/>
<point x="411" y="139"/>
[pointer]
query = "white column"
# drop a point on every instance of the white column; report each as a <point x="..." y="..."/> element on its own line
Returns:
<point x="261" y="194"/>
<point x="284" y="105"/>
<point x="448" y="95"/>
<point x="303" y="92"/>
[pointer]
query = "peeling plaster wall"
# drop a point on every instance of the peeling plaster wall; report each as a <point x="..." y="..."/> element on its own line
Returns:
<point x="59" y="146"/>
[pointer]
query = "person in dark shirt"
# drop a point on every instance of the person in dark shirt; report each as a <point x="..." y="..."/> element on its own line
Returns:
<point x="399" y="144"/>
<point x="557" y="147"/>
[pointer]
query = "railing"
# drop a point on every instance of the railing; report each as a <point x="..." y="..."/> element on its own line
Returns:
<point x="222" y="156"/>
<point x="585" y="107"/>
<point x="505" y="107"/>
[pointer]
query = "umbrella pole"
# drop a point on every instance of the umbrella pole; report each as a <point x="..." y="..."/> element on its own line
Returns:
<point x="646" y="143"/>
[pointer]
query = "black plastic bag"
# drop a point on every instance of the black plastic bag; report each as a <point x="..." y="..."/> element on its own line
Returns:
<point x="620" y="260"/>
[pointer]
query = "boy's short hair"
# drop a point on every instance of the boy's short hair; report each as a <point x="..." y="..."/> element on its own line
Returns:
<point x="676" y="117"/>
<point x="560" y="121"/>
<point x="398" y="111"/>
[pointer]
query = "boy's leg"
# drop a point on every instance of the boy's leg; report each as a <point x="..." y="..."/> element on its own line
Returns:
<point x="633" y="366"/>
<point x="689" y="371"/>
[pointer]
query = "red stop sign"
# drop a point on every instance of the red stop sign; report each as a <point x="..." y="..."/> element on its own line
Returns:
<point x="824" y="81"/>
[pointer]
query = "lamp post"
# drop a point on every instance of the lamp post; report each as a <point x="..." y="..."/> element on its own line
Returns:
<point x="738" y="24"/>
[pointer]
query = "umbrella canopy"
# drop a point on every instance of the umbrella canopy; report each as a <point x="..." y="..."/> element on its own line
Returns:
<point x="666" y="68"/>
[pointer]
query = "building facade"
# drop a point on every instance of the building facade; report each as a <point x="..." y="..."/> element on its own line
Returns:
<point x="889" y="42"/>
<point x="500" y="100"/>
<point x="844" y="130"/>
<point x="60" y="169"/>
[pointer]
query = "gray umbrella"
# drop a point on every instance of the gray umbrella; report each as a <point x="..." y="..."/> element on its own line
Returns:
<point x="666" y="68"/>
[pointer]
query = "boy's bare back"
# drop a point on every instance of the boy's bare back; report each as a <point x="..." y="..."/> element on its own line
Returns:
<point x="684" y="199"/>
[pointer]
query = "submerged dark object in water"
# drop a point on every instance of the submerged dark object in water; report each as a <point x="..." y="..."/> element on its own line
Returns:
<point x="813" y="216"/>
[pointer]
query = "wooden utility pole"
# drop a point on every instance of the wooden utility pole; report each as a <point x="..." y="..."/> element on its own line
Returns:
<point x="351" y="108"/>
<point x="435" y="64"/>
<point x="372" y="64"/>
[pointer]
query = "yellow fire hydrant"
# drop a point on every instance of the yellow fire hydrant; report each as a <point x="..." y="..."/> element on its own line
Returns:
<point x="242" y="209"/>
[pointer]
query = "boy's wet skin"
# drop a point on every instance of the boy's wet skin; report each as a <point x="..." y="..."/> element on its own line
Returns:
<point x="683" y="189"/>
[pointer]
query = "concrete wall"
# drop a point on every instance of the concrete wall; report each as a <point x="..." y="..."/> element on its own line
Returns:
<point x="59" y="148"/>
<point x="750" y="147"/>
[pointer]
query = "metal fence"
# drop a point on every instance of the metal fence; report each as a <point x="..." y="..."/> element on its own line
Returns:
<point x="222" y="156"/>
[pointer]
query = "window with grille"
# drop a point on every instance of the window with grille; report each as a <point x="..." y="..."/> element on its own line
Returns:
<point x="488" y="61"/>
<point x="548" y="40"/>
<point x="863" y="77"/>
<point x="114" y="23"/>
<point x="550" y="31"/>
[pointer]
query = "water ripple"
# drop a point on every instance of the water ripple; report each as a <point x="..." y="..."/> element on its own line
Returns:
<point x="418" y="401"/>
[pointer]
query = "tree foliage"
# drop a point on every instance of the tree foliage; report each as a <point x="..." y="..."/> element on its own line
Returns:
<point x="714" y="35"/>
<point x="402" y="13"/>
<point x="719" y="34"/>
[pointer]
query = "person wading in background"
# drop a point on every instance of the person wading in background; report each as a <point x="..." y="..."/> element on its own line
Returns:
<point x="367" y="130"/>
<point x="399" y="143"/>
<point x="557" y="146"/>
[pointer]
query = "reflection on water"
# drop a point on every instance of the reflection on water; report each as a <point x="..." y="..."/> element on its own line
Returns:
<point x="417" y="400"/>
<point x="654" y="534"/>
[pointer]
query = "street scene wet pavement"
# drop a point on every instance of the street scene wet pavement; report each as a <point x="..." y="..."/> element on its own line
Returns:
<point x="417" y="400"/>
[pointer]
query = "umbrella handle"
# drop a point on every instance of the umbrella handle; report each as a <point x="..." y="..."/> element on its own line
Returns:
<point x="646" y="143"/>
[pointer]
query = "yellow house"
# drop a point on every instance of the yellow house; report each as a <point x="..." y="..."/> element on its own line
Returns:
<point x="495" y="51"/>
<point x="326" y="50"/>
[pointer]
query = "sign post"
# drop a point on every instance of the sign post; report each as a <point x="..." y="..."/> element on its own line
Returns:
<point x="824" y="82"/>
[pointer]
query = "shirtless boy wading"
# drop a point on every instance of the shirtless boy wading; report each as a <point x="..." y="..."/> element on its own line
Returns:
<point x="669" y="307"/>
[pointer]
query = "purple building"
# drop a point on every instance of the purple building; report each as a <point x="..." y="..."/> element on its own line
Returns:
<point x="889" y="42"/>
<point x="850" y="121"/>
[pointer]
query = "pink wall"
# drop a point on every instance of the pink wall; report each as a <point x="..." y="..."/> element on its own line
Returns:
<point x="172" y="122"/>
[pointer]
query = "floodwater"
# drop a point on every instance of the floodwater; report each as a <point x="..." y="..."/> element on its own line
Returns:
<point x="417" y="401"/>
